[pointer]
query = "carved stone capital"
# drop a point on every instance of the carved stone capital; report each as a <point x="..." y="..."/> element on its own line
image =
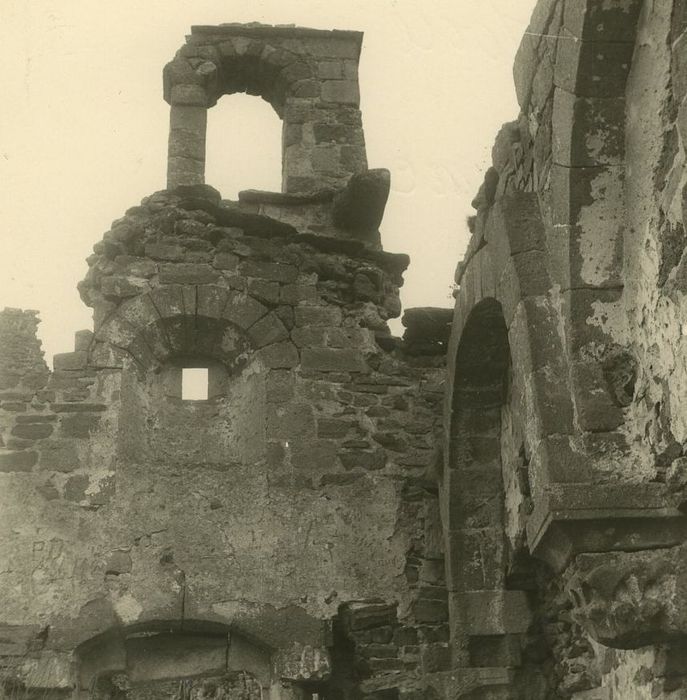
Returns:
<point x="628" y="600"/>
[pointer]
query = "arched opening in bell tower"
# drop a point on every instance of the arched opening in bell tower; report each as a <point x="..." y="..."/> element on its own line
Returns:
<point x="244" y="149"/>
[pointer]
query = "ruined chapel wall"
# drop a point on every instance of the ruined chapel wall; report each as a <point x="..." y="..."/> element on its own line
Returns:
<point x="311" y="469"/>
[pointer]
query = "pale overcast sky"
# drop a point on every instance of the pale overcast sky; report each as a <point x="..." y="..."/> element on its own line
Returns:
<point x="83" y="127"/>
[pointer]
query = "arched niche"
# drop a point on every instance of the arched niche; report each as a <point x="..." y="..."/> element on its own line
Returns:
<point x="484" y="535"/>
<point x="179" y="321"/>
<point x="474" y="469"/>
<point x="143" y="663"/>
<point x="201" y="661"/>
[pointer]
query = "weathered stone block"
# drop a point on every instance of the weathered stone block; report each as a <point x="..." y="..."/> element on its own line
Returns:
<point x="75" y="488"/>
<point x="37" y="418"/>
<point x="189" y="95"/>
<point x="593" y="68"/>
<point x="17" y="639"/>
<point x="534" y="335"/>
<point x="325" y="159"/>
<point x="561" y="461"/>
<point x="79" y="425"/>
<point x="596" y="411"/>
<point x="211" y="301"/>
<point x="313" y="456"/>
<point x="279" y="386"/>
<point x="119" y="562"/>
<point x="308" y="337"/>
<point x="588" y="131"/>
<point x="333" y="360"/>
<point x="133" y="266"/>
<point x="170" y="655"/>
<point x="279" y="355"/>
<point x="334" y="427"/>
<point x="360" y="206"/>
<point x="184" y="171"/>
<point x="430" y="611"/>
<point x="264" y="290"/>
<point x="533" y="276"/>
<point x="475" y="559"/>
<point x="13" y="406"/>
<point x="309" y="316"/>
<point x="174" y="300"/>
<point x="187" y="273"/>
<point x="268" y="330"/>
<point x="306" y="88"/>
<point x="164" y="251"/>
<point x="187" y="144"/>
<point x="77" y="407"/>
<point x="330" y="70"/>
<point x="294" y="422"/>
<point x="243" y="310"/>
<point x="226" y="261"/>
<point x="363" y="459"/>
<point x="581" y="307"/>
<point x="553" y="401"/>
<point x="361" y="616"/>
<point x="602" y="21"/>
<point x="59" y="455"/>
<point x="342" y="91"/>
<point x="22" y="461"/>
<point x="70" y="360"/>
<point x="119" y="286"/>
<point x="591" y="201"/>
<point x="276" y="272"/>
<point x="295" y="294"/>
<point x="495" y="612"/>
<point x="32" y="431"/>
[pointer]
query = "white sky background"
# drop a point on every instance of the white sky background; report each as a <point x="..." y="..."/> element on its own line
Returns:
<point x="83" y="127"/>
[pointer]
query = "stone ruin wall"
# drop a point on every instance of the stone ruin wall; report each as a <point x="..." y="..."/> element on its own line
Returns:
<point x="346" y="517"/>
<point x="286" y="529"/>
<point x="572" y="281"/>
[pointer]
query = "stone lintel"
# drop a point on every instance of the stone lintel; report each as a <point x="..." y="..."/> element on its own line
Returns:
<point x="281" y="31"/>
<point x="579" y="518"/>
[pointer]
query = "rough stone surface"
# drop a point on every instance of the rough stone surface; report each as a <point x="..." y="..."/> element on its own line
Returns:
<point x="565" y="436"/>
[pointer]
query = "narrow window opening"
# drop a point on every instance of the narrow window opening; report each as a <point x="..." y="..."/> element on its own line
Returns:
<point x="243" y="146"/>
<point x="194" y="384"/>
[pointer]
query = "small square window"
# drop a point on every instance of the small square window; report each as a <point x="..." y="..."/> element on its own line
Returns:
<point x="194" y="383"/>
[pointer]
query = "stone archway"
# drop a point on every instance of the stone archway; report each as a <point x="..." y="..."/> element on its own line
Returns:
<point x="152" y="663"/>
<point x="487" y="498"/>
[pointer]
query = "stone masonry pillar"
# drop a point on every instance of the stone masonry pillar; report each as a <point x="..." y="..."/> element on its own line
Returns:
<point x="187" y="129"/>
